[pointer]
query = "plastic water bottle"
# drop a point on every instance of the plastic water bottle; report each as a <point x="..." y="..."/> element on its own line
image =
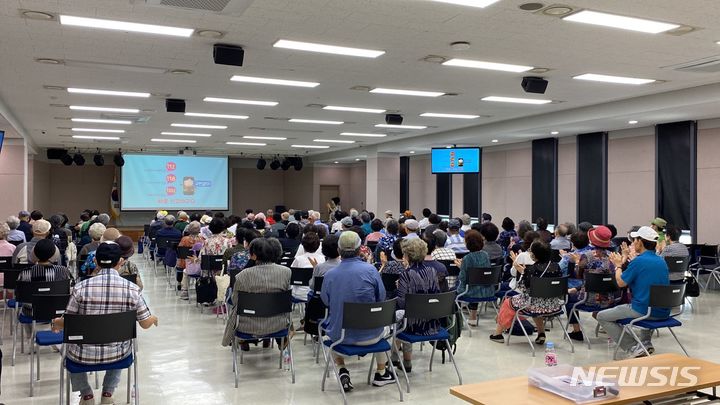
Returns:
<point x="286" y="359"/>
<point x="550" y="355"/>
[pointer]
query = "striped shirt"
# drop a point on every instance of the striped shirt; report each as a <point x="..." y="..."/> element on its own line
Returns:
<point x="43" y="272"/>
<point x="456" y="243"/>
<point x="418" y="279"/>
<point x="106" y="293"/>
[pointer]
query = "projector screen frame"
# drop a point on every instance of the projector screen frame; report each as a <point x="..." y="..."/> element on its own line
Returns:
<point x="477" y="148"/>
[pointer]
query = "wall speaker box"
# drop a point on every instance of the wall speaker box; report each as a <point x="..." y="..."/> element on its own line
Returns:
<point x="175" y="105"/>
<point x="393" y="119"/>
<point x="224" y="54"/>
<point x="534" y="84"/>
<point x="55" y="153"/>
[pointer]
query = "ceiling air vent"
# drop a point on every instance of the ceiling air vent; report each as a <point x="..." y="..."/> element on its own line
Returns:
<point x="218" y="6"/>
<point x="706" y="65"/>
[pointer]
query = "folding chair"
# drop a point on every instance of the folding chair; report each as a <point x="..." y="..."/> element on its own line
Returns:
<point x="453" y="273"/>
<point x="544" y="287"/>
<point x="477" y="277"/>
<point x="131" y="278"/>
<point x="315" y="311"/>
<point x="661" y="296"/>
<point x="363" y="316"/>
<point x="594" y="284"/>
<point x="708" y="263"/>
<point x="300" y="277"/>
<point x="428" y="307"/>
<point x="45" y="308"/>
<point x="263" y="305"/>
<point x="164" y="243"/>
<point x="99" y="330"/>
<point x="678" y="267"/>
<point x="24" y="293"/>
<point x="371" y="245"/>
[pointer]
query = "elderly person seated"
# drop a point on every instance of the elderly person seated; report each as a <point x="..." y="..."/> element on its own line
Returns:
<point x="128" y="268"/>
<point x="15" y="236"/>
<point x="186" y="267"/>
<point x="110" y="235"/>
<point x="96" y="232"/>
<point x="23" y="253"/>
<point x="264" y="277"/>
<point x="375" y="234"/>
<point x="441" y="252"/>
<point x="476" y="257"/>
<point x="6" y="248"/>
<point x="490" y="232"/>
<point x="312" y="257"/>
<point x="169" y="232"/>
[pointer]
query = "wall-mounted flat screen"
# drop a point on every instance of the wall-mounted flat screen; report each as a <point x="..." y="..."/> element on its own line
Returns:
<point x="455" y="160"/>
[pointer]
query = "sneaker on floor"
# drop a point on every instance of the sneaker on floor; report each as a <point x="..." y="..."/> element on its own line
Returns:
<point x="345" y="380"/>
<point x="184" y="295"/>
<point x="637" y="351"/>
<point x="87" y="400"/>
<point x="540" y="339"/>
<point x="106" y="399"/>
<point x="384" y="379"/>
<point x="576" y="336"/>
<point x="498" y="338"/>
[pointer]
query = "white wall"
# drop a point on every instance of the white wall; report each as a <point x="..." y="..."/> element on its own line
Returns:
<point x="708" y="185"/>
<point x="567" y="180"/>
<point x="507" y="182"/>
<point x="422" y="185"/>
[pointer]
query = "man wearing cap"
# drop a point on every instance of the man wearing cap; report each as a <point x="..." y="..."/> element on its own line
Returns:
<point x="658" y="224"/>
<point x="105" y="293"/>
<point x="24" y="252"/>
<point x="353" y="280"/>
<point x="412" y="227"/>
<point x="25" y="226"/>
<point x="454" y="240"/>
<point x="645" y="270"/>
<point x="346" y="223"/>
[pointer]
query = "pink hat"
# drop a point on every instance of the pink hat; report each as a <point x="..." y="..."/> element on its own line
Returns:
<point x="600" y="236"/>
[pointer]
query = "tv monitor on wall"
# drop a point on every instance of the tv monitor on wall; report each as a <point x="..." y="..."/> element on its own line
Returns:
<point x="455" y="160"/>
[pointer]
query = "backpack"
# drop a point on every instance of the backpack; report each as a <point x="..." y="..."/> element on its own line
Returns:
<point x="517" y="330"/>
<point x="206" y="290"/>
<point x="454" y="332"/>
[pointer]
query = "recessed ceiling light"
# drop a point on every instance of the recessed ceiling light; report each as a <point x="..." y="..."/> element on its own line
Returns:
<point x="99" y="121"/>
<point x="557" y="10"/>
<point x="108" y="92"/>
<point x="186" y="134"/>
<point x="336" y="162"/>
<point x="180" y="72"/>
<point x="612" y="79"/>
<point x="268" y="138"/>
<point x="125" y="26"/>
<point x="412" y="152"/>
<point x="49" y="61"/>
<point x="363" y="134"/>
<point x="460" y="46"/>
<point x="210" y="34"/>
<point x="717" y="43"/>
<point x="176" y="124"/>
<point x="38" y="15"/>
<point x="246" y="143"/>
<point x="400" y="126"/>
<point x="332" y="141"/>
<point x="357" y="159"/>
<point x="503" y="67"/>
<point x="353" y="109"/>
<point x="494" y="141"/>
<point x="554" y="132"/>
<point x="619" y="21"/>
<point x="113" y="131"/>
<point x="471" y="3"/>
<point x="401" y="92"/>
<point x="632" y="122"/>
<point x="310" y="146"/>
<point x="321" y="48"/>
<point x="239" y="101"/>
<point x="104" y="109"/>
<point x="442" y="115"/>
<point x="97" y="138"/>
<point x="208" y="115"/>
<point x="173" y="140"/>
<point x="279" y="82"/>
<point x="516" y="100"/>
<point x="531" y="6"/>
<point x="322" y="122"/>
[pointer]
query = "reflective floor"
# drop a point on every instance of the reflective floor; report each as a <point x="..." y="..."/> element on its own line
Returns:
<point x="182" y="361"/>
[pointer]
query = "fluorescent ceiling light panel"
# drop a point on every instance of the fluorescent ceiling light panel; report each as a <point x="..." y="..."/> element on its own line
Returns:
<point x="173" y="140"/>
<point x="267" y="138"/>
<point x="105" y="109"/>
<point x="400" y="126"/>
<point x="108" y="92"/>
<point x="279" y="82"/>
<point x="612" y="79"/>
<point x="239" y="101"/>
<point x="401" y="92"/>
<point x="125" y="26"/>
<point x="321" y="48"/>
<point x="310" y="146"/>
<point x="353" y="109"/>
<point x="470" y="3"/>
<point x="99" y="121"/>
<point x="363" y="134"/>
<point x="176" y="124"/>
<point x="619" y="21"/>
<point x="246" y="143"/>
<point x="112" y="131"/>
<point x="503" y="67"/>
<point x="332" y="141"/>
<point x="208" y="115"/>
<point x="516" y="100"/>
<point x="186" y="134"/>
<point x="97" y="138"/>
<point x="442" y="115"/>
<point x="304" y="121"/>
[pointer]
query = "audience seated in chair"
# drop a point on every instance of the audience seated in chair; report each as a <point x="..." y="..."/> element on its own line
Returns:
<point x="23" y="253"/>
<point x="476" y="258"/>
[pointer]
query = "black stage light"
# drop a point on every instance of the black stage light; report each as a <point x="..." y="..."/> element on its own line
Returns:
<point x="79" y="159"/>
<point x="298" y="163"/>
<point x="261" y="163"/>
<point x="119" y="160"/>
<point x="98" y="159"/>
<point x="285" y="164"/>
<point x="275" y="164"/>
<point x="66" y="159"/>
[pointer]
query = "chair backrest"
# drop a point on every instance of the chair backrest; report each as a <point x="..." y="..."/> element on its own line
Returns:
<point x="286" y="261"/>
<point x="548" y="287"/>
<point x="677" y="264"/>
<point x="10" y="277"/>
<point x="6" y="262"/>
<point x="429" y="306"/>
<point x="263" y="305"/>
<point x="317" y="284"/>
<point x="555" y="256"/>
<point x="667" y="296"/>
<point x="301" y="276"/>
<point x="368" y="315"/>
<point x="600" y="283"/>
<point x="372" y="245"/>
<point x="100" y="329"/>
<point x="708" y="254"/>
<point x="484" y="275"/>
<point x="183" y="252"/>
<point x="48" y="306"/>
<point x="460" y="255"/>
<point x="80" y="261"/>
<point x="146" y="229"/>
<point x="452" y="269"/>
<point x="211" y="262"/>
<point x="164" y="242"/>
<point x="26" y="290"/>
<point x="130" y="277"/>
<point x="389" y="281"/>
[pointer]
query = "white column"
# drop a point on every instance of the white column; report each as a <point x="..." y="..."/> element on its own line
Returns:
<point x="382" y="189"/>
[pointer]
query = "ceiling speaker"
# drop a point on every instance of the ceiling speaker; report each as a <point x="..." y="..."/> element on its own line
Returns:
<point x="534" y="84"/>
<point x="175" y="105"/>
<point x="393" y="119"/>
<point x="225" y="54"/>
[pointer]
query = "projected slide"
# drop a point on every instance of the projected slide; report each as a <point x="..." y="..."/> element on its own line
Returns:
<point x="151" y="182"/>
<point x="455" y="160"/>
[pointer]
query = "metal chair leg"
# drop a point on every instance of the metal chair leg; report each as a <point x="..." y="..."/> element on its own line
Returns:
<point x="292" y="361"/>
<point x="392" y="371"/>
<point x="372" y="364"/>
<point x="452" y="358"/>
<point x="235" y="365"/>
<point x="402" y="366"/>
<point x="678" y="341"/>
